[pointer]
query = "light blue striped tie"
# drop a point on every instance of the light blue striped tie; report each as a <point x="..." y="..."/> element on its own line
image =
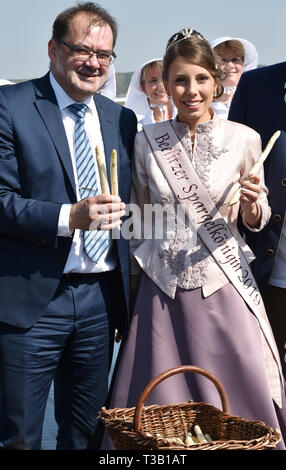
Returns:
<point x="96" y="242"/>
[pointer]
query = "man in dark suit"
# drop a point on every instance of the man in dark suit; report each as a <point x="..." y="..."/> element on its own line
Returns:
<point x="63" y="277"/>
<point x="260" y="102"/>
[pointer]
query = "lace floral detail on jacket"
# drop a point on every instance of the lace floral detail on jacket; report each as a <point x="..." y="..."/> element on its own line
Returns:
<point x="204" y="152"/>
<point x="185" y="255"/>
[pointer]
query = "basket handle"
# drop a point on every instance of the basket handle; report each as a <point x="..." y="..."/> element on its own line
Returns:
<point x="168" y="373"/>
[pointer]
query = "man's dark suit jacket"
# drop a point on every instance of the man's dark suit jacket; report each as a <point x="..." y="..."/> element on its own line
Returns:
<point x="36" y="178"/>
<point x="260" y="103"/>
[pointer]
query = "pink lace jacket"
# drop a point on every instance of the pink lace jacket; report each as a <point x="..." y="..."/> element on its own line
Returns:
<point x="223" y="151"/>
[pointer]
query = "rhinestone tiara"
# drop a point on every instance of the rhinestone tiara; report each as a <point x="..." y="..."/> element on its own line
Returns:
<point x="185" y="33"/>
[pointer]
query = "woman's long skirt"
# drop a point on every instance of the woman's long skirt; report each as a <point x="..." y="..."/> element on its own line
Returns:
<point x="217" y="333"/>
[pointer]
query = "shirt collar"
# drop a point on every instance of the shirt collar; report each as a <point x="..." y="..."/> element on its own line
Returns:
<point x="64" y="100"/>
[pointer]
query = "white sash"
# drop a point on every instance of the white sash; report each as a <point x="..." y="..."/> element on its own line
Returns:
<point x="216" y="234"/>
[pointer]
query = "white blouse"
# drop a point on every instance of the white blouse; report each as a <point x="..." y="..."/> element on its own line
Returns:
<point x="221" y="109"/>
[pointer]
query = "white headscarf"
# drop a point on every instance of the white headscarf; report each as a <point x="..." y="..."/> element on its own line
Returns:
<point x="251" y="54"/>
<point x="109" y="88"/>
<point x="136" y="99"/>
<point x="5" y="82"/>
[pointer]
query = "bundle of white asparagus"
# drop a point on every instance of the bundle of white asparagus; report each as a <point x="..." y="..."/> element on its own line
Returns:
<point x="200" y="438"/>
<point x="190" y="439"/>
<point x="103" y="174"/>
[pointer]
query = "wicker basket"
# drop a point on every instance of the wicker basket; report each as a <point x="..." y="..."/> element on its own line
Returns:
<point x="154" y="427"/>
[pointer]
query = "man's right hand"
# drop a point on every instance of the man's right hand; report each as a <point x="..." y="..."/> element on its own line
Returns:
<point x="101" y="212"/>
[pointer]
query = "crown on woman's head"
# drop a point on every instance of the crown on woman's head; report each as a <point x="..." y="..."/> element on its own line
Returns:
<point x="185" y="33"/>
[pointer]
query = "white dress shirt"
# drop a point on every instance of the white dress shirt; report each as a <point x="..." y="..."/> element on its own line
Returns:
<point x="78" y="261"/>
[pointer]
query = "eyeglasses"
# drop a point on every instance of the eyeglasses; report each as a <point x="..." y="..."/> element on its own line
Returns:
<point x="84" y="53"/>
<point x="234" y="60"/>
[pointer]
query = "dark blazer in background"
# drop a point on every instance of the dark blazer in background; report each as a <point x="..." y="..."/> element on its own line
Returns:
<point x="36" y="178"/>
<point x="260" y="103"/>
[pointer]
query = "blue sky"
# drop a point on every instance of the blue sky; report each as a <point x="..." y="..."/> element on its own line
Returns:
<point x="145" y="26"/>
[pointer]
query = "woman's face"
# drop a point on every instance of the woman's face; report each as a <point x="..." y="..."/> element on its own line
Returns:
<point x="231" y="66"/>
<point x="153" y="86"/>
<point x="191" y="88"/>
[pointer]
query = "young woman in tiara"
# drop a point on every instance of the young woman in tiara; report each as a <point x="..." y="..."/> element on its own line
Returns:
<point x="188" y="310"/>
<point x="146" y="95"/>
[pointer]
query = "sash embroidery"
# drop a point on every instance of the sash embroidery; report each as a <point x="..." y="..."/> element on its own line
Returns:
<point x="215" y="233"/>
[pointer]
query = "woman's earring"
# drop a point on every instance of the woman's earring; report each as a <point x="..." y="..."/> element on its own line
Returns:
<point x="215" y="93"/>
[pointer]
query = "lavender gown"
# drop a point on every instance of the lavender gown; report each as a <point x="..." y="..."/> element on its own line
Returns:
<point x="217" y="333"/>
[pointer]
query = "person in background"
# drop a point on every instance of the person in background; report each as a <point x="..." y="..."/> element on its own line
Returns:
<point x="188" y="309"/>
<point x="146" y="95"/>
<point x="64" y="280"/>
<point x="234" y="57"/>
<point x="257" y="87"/>
<point x="5" y="82"/>
<point x="109" y="87"/>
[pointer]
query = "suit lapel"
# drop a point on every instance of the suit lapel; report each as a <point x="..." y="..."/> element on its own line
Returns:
<point x="48" y="109"/>
<point x="108" y="131"/>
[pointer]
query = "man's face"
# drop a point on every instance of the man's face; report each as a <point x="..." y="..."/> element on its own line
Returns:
<point x="80" y="79"/>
